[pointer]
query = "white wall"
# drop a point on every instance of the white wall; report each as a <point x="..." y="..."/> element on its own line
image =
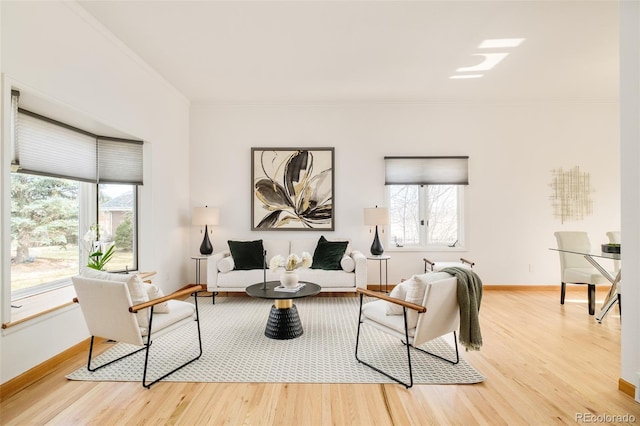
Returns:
<point x="57" y="51"/>
<point x="513" y="149"/>
<point x="630" y="147"/>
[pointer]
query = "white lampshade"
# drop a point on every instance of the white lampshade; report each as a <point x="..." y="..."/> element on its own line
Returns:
<point x="376" y="216"/>
<point x="205" y="216"/>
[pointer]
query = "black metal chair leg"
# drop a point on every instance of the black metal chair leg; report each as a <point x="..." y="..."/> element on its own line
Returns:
<point x="406" y="330"/>
<point x="107" y="363"/>
<point x="144" y="374"/>
<point x="620" y="305"/>
<point x="457" y="360"/>
<point x="563" y="290"/>
<point x="146" y="348"/>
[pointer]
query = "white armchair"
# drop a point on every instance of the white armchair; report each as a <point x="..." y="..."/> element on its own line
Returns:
<point x="110" y="313"/>
<point x="437" y="314"/>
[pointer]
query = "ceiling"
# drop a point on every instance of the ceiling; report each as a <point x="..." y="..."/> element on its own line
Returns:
<point x="371" y="51"/>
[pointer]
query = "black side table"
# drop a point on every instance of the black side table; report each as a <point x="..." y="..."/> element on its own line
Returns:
<point x="284" y="321"/>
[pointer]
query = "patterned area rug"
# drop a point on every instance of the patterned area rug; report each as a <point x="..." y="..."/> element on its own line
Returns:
<point x="236" y="350"/>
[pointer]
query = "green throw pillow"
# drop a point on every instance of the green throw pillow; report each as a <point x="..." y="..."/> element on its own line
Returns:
<point x="247" y="254"/>
<point x="328" y="254"/>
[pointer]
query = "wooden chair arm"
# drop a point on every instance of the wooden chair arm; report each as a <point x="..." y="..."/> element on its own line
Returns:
<point x="175" y="295"/>
<point x="428" y="262"/>
<point x="421" y="309"/>
<point x="463" y="260"/>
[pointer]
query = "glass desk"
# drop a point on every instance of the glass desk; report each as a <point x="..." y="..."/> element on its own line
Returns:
<point x="612" y="297"/>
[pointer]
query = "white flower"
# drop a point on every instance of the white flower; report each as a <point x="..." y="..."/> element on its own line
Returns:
<point x="275" y="262"/>
<point x="293" y="261"/>
<point x="307" y="260"/>
<point x="91" y="235"/>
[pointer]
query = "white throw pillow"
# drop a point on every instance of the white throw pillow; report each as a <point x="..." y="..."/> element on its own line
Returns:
<point x="347" y="263"/>
<point x="415" y="294"/>
<point x="399" y="292"/>
<point x="154" y="292"/>
<point x="226" y="264"/>
<point x="138" y="294"/>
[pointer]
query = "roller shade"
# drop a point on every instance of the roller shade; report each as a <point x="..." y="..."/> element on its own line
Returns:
<point x="47" y="147"/>
<point x="426" y="170"/>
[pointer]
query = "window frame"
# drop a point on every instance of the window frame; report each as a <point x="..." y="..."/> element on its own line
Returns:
<point x="423" y="245"/>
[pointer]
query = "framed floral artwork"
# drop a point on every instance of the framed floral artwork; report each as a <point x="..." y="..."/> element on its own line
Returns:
<point x="292" y="189"/>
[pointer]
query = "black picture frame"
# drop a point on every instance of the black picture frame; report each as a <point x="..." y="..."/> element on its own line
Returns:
<point x="292" y="189"/>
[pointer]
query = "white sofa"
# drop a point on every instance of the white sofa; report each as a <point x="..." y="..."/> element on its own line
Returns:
<point x="220" y="276"/>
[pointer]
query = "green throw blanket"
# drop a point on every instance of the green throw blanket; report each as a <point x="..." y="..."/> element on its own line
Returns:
<point x="469" y="298"/>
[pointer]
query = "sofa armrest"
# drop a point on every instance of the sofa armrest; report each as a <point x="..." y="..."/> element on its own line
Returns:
<point x="212" y="269"/>
<point x="360" y="261"/>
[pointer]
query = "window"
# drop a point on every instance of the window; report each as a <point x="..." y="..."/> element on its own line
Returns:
<point x="117" y="220"/>
<point x="64" y="181"/>
<point x="44" y="232"/>
<point x="427" y="216"/>
<point x="426" y="201"/>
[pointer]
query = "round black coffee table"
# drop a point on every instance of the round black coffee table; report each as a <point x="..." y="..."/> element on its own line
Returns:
<point x="284" y="322"/>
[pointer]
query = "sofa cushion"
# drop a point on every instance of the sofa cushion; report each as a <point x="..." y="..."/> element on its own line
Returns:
<point x="328" y="254"/>
<point x="226" y="264"/>
<point x="309" y="245"/>
<point x="276" y="247"/>
<point x="347" y="263"/>
<point x="247" y="254"/>
<point x="375" y="311"/>
<point x="300" y="245"/>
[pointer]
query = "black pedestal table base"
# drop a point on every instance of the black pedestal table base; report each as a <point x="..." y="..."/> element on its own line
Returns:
<point x="283" y="324"/>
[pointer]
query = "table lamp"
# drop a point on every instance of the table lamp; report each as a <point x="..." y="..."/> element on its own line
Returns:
<point x="205" y="216"/>
<point x="374" y="217"/>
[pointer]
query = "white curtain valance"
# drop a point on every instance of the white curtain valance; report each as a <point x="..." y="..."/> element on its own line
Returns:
<point x="427" y="170"/>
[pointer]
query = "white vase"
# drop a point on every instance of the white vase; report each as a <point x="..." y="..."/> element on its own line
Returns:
<point x="289" y="279"/>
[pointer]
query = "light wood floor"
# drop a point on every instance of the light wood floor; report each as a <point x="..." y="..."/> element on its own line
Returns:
<point x="544" y="364"/>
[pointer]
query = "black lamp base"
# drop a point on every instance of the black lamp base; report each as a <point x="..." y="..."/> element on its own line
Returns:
<point x="376" y="248"/>
<point x="206" y="248"/>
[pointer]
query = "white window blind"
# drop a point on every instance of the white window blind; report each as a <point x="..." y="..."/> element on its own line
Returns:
<point x="426" y="170"/>
<point x="119" y="161"/>
<point x="44" y="146"/>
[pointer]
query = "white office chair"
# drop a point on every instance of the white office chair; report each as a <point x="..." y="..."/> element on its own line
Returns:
<point x="110" y="313"/>
<point x="574" y="268"/>
<point x="438" y="315"/>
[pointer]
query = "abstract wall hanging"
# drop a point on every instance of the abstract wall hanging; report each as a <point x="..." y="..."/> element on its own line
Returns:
<point x="292" y="189"/>
<point x="571" y="199"/>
